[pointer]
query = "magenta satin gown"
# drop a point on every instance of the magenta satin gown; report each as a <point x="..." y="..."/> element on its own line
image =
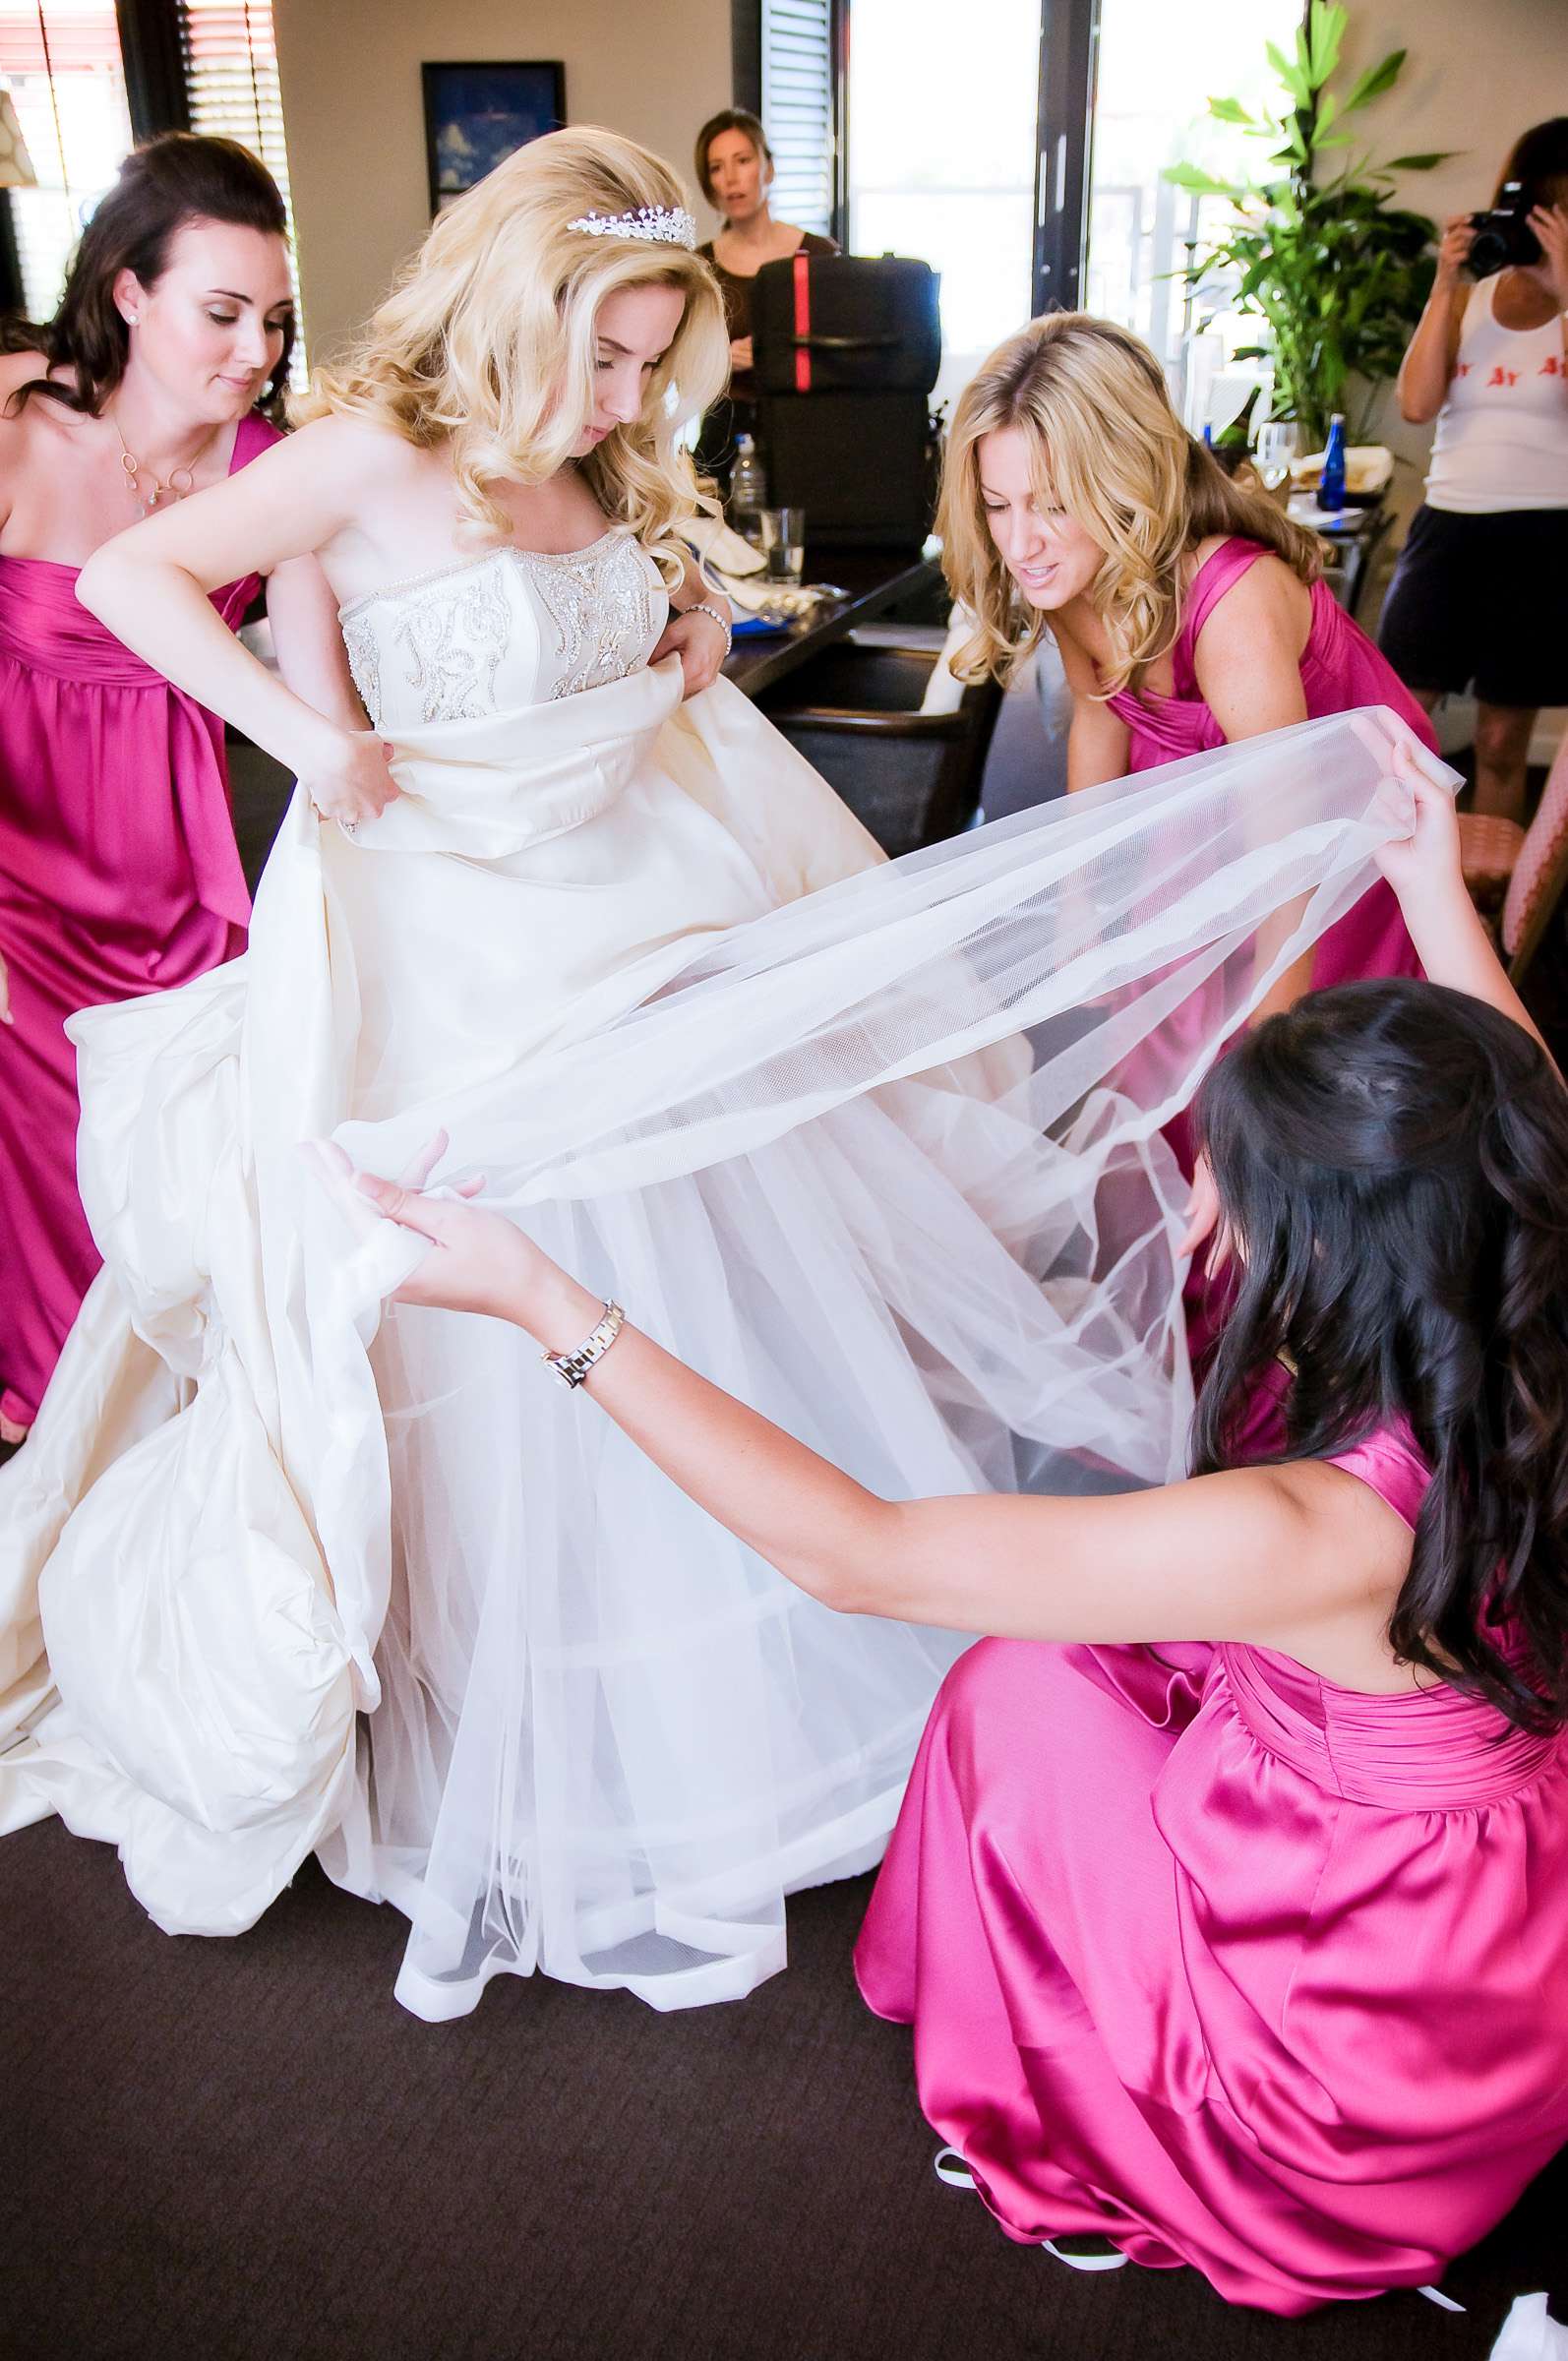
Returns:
<point x="1341" y="669"/>
<point x="1229" y="1965"/>
<point x="119" y="874"/>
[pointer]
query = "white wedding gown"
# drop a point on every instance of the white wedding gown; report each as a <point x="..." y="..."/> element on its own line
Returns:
<point x="281" y="1571"/>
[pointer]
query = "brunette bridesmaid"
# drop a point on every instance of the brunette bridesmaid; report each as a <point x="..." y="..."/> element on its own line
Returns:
<point x="118" y="868"/>
<point x="1229" y="1900"/>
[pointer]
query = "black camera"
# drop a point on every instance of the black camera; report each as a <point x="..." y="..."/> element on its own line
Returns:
<point x="1504" y="235"/>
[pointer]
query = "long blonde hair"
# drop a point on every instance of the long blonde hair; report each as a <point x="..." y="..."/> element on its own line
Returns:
<point x="1091" y="401"/>
<point x="486" y="344"/>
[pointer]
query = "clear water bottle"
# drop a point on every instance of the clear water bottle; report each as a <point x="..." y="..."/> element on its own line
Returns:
<point x="1331" y="491"/>
<point x="748" y="489"/>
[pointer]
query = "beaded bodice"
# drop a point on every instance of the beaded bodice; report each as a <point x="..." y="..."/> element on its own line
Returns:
<point x="508" y="628"/>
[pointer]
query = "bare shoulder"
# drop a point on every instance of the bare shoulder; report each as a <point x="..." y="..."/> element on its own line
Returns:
<point x="1349" y="1522"/>
<point x="19" y="369"/>
<point x="34" y="433"/>
<point x="1267" y="598"/>
<point x="353" y="453"/>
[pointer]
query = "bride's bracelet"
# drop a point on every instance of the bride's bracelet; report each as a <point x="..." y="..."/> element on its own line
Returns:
<point x="701" y="607"/>
<point x="572" y="1367"/>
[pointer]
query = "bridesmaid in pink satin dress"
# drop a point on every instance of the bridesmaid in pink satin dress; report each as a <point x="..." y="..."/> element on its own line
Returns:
<point x="1338" y="669"/>
<point x="1189" y="612"/>
<point x="1229" y="1900"/>
<point x="119" y="873"/>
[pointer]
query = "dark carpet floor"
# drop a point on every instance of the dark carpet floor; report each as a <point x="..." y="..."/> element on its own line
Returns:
<point x="245" y="2150"/>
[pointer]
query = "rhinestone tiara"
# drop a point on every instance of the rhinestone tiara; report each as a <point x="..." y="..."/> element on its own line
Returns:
<point x="650" y="224"/>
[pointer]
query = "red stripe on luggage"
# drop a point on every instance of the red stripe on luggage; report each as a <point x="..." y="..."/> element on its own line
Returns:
<point x="802" y="323"/>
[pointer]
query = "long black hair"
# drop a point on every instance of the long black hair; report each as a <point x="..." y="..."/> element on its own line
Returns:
<point x="1392" y="1161"/>
<point x="179" y="177"/>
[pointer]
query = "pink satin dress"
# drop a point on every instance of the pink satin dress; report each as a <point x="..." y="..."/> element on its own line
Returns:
<point x="1229" y="1965"/>
<point x="1341" y="669"/>
<point x="119" y="874"/>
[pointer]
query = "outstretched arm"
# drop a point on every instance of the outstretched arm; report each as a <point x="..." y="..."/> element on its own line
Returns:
<point x="1424" y="871"/>
<point x="1259" y="1555"/>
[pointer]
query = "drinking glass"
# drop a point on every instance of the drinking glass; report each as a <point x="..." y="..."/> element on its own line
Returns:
<point x="782" y="541"/>
<point x="1278" y="439"/>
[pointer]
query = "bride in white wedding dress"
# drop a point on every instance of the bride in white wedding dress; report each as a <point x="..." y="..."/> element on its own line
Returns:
<point x="281" y="1571"/>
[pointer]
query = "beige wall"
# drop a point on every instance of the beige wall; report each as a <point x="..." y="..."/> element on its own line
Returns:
<point x="349" y="72"/>
<point x="1474" y="80"/>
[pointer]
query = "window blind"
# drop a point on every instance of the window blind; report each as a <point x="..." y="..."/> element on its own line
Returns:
<point x="61" y="63"/>
<point x="230" y="58"/>
<point x="800" y="108"/>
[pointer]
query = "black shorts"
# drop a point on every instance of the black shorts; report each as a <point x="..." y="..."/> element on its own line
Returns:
<point x="1482" y="602"/>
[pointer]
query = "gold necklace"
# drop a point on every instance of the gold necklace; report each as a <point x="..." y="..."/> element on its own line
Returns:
<point x="174" y="487"/>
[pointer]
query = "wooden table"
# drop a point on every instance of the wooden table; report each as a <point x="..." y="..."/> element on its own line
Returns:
<point x="872" y="580"/>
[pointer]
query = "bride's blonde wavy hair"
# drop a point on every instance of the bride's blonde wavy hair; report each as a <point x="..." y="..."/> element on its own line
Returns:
<point x="486" y="344"/>
<point x="1106" y="445"/>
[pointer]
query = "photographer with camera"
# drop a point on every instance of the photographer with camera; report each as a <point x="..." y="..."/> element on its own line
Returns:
<point x="1477" y="595"/>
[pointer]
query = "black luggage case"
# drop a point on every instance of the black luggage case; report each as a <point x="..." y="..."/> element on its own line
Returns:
<point x="845" y="351"/>
<point x="837" y="323"/>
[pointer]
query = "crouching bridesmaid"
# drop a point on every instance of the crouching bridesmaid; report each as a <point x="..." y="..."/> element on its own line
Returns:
<point x="1228" y="1902"/>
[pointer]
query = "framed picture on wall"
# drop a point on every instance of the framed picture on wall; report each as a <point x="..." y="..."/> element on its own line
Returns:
<point x="477" y="116"/>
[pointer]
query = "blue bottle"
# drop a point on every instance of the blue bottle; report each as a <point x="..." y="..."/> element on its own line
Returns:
<point x="1331" y="491"/>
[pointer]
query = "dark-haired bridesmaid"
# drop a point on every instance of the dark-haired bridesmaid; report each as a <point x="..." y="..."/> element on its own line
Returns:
<point x="119" y="873"/>
<point x="1229" y="1900"/>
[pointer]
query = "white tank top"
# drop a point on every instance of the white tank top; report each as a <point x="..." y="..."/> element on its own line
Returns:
<point x="1502" y="433"/>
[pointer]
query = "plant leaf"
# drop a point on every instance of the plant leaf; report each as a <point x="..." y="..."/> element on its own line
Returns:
<point x="1293" y="81"/>
<point x="1325" y="33"/>
<point x="1201" y="183"/>
<point x="1419" y="164"/>
<point x="1229" y="110"/>
<point x="1376" y="80"/>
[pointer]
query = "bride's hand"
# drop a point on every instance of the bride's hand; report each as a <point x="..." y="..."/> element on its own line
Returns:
<point x="699" y="642"/>
<point x="352" y="779"/>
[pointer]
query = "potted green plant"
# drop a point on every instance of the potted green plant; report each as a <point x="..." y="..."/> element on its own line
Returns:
<point x="1335" y="268"/>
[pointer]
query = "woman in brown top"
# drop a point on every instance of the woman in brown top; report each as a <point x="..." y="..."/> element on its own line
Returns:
<point x="734" y="172"/>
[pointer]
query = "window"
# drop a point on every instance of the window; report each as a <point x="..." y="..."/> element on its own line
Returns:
<point x="61" y="63"/>
<point x="185" y="65"/>
<point x="230" y="60"/>
<point x="1018" y="147"/>
<point x="941" y="110"/>
<point x="1149" y="110"/>
<point x="800" y="44"/>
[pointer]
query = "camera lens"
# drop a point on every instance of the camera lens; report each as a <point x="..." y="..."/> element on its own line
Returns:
<point x="1488" y="250"/>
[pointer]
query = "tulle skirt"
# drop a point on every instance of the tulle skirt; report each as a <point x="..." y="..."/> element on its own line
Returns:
<point x="287" y="1570"/>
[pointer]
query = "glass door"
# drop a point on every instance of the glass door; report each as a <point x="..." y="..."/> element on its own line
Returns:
<point x="1156" y="69"/>
<point x="941" y="157"/>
